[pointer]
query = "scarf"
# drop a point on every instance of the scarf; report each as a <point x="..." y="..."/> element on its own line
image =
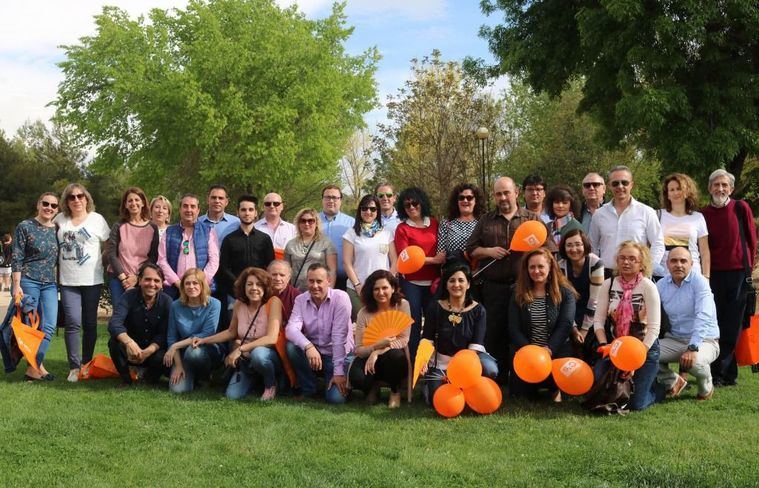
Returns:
<point x="625" y="308"/>
<point x="558" y="224"/>
<point x="369" y="230"/>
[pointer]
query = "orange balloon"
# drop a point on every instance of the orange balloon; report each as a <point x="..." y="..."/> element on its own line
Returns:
<point x="628" y="353"/>
<point x="532" y="363"/>
<point x="528" y="236"/>
<point x="573" y="376"/>
<point x="464" y="369"/>
<point x="484" y="397"/>
<point x="411" y="260"/>
<point x="448" y="400"/>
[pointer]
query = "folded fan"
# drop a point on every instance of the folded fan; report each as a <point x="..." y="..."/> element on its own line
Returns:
<point x="386" y="324"/>
<point x="423" y="355"/>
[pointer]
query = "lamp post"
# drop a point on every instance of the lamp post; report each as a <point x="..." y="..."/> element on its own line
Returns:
<point x="482" y="137"/>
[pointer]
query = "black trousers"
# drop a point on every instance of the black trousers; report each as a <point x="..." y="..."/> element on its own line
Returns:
<point x="154" y="363"/>
<point x="390" y="368"/>
<point x="496" y="297"/>
<point x="730" y="289"/>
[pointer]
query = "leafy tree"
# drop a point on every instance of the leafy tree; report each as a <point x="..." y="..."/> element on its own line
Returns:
<point x="679" y="77"/>
<point x="234" y="91"/>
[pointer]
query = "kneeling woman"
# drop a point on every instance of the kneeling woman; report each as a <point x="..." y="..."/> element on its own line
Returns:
<point x="453" y="323"/>
<point x="541" y="312"/>
<point x="385" y="360"/>
<point x="195" y="314"/>
<point x="256" y="319"/>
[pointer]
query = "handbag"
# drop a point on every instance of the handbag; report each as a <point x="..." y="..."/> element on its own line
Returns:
<point x="590" y="345"/>
<point x="747" y="348"/>
<point x="611" y="393"/>
<point x="750" y="309"/>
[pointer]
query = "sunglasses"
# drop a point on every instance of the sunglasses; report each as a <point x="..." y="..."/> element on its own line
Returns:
<point x="272" y="204"/>
<point x="624" y="183"/>
<point x="410" y="204"/>
<point x="49" y="204"/>
<point x="186" y="247"/>
<point x="592" y="184"/>
<point x="308" y="221"/>
<point x="468" y="198"/>
<point x="76" y="196"/>
<point x="386" y="195"/>
<point x="369" y="209"/>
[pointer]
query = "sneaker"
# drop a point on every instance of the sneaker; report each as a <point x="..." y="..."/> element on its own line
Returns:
<point x="269" y="394"/>
<point x="677" y="387"/>
<point x="73" y="376"/>
<point x="706" y="396"/>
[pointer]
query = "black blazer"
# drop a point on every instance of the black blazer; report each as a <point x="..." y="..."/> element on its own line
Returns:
<point x="560" y="321"/>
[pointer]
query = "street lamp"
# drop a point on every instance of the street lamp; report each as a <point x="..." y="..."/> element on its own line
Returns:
<point x="482" y="136"/>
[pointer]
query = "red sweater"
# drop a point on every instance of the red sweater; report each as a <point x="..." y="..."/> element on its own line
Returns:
<point x="426" y="238"/>
<point x="724" y="237"/>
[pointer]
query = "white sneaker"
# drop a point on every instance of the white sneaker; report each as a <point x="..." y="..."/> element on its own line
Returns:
<point x="73" y="376"/>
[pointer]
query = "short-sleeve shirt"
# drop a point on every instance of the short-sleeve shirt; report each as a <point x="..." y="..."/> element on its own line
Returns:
<point x="683" y="231"/>
<point x="80" y="261"/>
<point x="369" y="253"/>
<point x="295" y="254"/>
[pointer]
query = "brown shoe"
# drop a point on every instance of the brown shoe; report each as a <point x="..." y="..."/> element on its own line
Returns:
<point x="677" y="387"/>
<point x="373" y="396"/>
<point x="395" y="400"/>
<point x="706" y="396"/>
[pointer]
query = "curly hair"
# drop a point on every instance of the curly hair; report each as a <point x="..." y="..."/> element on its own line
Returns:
<point x="453" y="201"/>
<point x="416" y="194"/>
<point x="263" y="278"/>
<point x="646" y="264"/>
<point x="367" y="292"/>
<point x="561" y="193"/>
<point x="688" y="187"/>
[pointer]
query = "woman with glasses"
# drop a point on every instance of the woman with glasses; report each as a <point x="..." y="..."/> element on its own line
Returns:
<point x="367" y="247"/>
<point x="418" y="228"/>
<point x="308" y="247"/>
<point x="160" y="213"/>
<point x="133" y="241"/>
<point x="82" y="234"/>
<point x="562" y="206"/>
<point x="465" y="205"/>
<point x="34" y="257"/>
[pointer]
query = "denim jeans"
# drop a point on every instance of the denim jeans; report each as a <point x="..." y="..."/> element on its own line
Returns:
<point x="418" y="298"/>
<point x="197" y="363"/>
<point x="307" y="376"/>
<point x="435" y="377"/>
<point x="646" y="390"/>
<point x="264" y="363"/>
<point x="80" y="311"/>
<point x="116" y="289"/>
<point x="43" y="297"/>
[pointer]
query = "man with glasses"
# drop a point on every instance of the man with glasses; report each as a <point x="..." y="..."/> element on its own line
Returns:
<point x="625" y="219"/>
<point x="386" y="195"/>
<point x="334" y="225"/>
<point x="187" y="244"/>
<point x="593" y="191"/>
<point x="222" y="222"/>
<point x="534" y="188"/>
<point x="274" y="226"/>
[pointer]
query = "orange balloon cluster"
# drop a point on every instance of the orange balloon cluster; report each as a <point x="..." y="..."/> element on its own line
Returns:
<point x="484" y="396"/>
<point x="464" y="369"/>
<point x="448" y="400"/>
<point x="627" y="353"/>
<point x="573" y="376"/>
<point x="410" y="260"/>
<point x="532" y="363"/>
<point x="467" y="385"/>
<point x="528" y="236"/>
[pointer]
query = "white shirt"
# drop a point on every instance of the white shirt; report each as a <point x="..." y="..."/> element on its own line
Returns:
<point x="684" y="231"/>
<point x="638" y="222"/>
<point x="369" y="253"/>
<point x="280" y="236"/>
<point x="81" y="246"/>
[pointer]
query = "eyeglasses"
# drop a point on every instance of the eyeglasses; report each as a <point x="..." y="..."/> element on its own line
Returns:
<point x="186" y="247"/>
<point x="331" y="198"/>
<point x="49" y="204"/>
<point x="410" y="204"/>
<point x="308" y="221"/>
<point x="76" y="196"/>
<point x="272" y="204"/>
<point x="468" y="198"/>
<point x="624" y="183"/>
<point x="386" y="195"/>
<point x="627" y="259"/>
<point x="368" y="209"/>
<point x="532" y="189"/>
<point x="591" y="184"/>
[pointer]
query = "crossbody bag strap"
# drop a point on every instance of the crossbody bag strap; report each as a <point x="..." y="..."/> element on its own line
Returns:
<point x="305" y="258"/>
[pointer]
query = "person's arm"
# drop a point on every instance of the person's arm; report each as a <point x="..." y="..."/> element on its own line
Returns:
<point x="117" y="322"/>
<point x="212" y="266"/>
<point x="267" y="252"/>
<point x="596" y="280"/>
<point x="477" y="342"/>
<point x="602" y="309"/>
<point x="294" y="328"/>
<point x="430" y="321"/>
<point x="516" y="337"/>
<point x="476" y="249"/>
<point x="169" y="275"/>
<point x="749" y="230"/>
<point x="653" y="311"/>
<point x="153" y="251"/>
<point x="273" y="324"/>
<point x="563" y="322"/>
<point x="225" y="273"/>
<point x="362" y="351"/>
<point x="210" y="319"/>
<point x="160" y="338"/>
<point x="705" y="256"/>
<point x="392" y="256"/>
<point x="348" y="263"/>
<point x="655" y="237"/>
<point x="704" y="308"/>
<point x="401" y="237"/>
<point x="341" y="327"/>
<point x="594" y="237"/>
<point x="331" y="264"/>
<point x="114" y="241"/>
<point x="17" y="259"/>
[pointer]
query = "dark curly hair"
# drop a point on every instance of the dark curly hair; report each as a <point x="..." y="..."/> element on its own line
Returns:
<point x="561" y="193"/>
<point x="367" y="292"/>
<point x="453" y="201"/>
<point x="262" y="277"/>
<point x="450" y="271"/>
<point x="416" y="194"/>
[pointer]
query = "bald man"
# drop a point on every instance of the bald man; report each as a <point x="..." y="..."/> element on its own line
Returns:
<point x="273" y="225"/>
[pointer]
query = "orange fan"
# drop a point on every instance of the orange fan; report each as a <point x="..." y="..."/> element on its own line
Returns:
<point x="386" y="324"/>
<point x="423" y="355"/>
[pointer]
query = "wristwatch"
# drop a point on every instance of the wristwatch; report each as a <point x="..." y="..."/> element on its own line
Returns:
<point x="693" y="347"/>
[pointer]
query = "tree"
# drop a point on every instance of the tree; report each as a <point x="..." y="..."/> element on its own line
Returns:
<point x="356" y="164"/>
<point x="680" y="78"/>
<point x="234" y="91"/>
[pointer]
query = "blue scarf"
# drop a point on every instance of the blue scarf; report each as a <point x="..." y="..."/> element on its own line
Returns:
<point x="369" y="230"/>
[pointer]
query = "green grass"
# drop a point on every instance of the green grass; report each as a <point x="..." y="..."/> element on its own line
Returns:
<point x="93" y="434"/>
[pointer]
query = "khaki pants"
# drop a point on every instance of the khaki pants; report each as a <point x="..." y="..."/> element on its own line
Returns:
<point x="671" y="350"/>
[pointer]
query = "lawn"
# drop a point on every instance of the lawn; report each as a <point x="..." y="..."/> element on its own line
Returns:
<point x="93" y="434"/>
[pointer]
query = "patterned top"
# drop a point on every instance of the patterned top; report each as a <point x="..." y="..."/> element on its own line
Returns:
<point x="453" y="234"/>
<point x="539" y="319"/>
<point x="35" y="251"/>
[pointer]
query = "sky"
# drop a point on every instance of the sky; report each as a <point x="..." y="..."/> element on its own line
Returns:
<point x="31" y="32"/>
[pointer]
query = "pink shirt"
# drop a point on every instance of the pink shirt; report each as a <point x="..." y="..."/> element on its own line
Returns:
<point x="187" y="261"/>
<point x="134" y="246"/>
<point x="244" y="318"/>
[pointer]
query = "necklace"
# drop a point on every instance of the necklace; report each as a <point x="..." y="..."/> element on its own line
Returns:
<point x="305" y="245"/>
<point x="455" y="316"/>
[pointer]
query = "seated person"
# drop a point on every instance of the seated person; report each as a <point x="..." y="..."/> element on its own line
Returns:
<point x="256" y="318"/>
<point x="280" y="272"/>
<point x="138" y="326"/>
<point x="319" y="335"/>
<point x="687" y="300"/>
<point x="195" y="314"/>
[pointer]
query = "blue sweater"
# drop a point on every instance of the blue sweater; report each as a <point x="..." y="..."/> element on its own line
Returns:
<point x="187" y="321"/>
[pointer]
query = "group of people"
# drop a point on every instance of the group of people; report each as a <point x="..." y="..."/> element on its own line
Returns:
<point x="284" y="306"/>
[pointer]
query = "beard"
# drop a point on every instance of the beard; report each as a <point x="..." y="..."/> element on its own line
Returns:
<point x="720" y="201"/>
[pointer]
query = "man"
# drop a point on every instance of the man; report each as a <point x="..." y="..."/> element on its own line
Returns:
<point x="593" y="191"/>
<point x="272" y="224"/>
<point x="187" y="244"/>
<point x="693" y="339"/>
<point x="334" y="225"/>
<point x="625" y="219"/>
<point x="281" y="272"/>
<point x="222" y="222"/>
<point x="386" y="195"/>
<point x="489" y="243"/>
<point x="534" y="188"/>
<point x="319" y="336"/>
<point x="138" y="326"/>
<point x="731" y="233"/>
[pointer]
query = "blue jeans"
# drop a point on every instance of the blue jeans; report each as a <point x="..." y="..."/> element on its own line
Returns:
<point x="116" y="289"/>
<point x="418" y="298"/>
<point x="264" y="363"/>
<point x="197" y="363"/>
<point x="43" y="297"/>
<point x="434" y="378"/>
<point x="80" y="311"/>
<point x="307" y="376"/>
<point x="646" y="389"/>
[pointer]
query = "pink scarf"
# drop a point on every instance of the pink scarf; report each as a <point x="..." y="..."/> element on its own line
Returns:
<point x="625" y="307"/>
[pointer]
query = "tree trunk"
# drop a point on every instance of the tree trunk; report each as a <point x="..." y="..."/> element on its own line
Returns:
<point x="735" y="166"/>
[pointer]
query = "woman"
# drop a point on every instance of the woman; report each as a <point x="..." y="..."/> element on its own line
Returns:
<point x="682" y="224"/>
<point x="465" y="205"/>
<point x="254" y="328"/>
<point x="367" y="247"/>
<point x="35" y="255"/>
<point x="453" y="323"/>
<point x="385" y="360"/>
<point x="628" y="304"/>
<point x="194" y="315"/>
<point x="160" y="213"/>
<point x="6" y="256"/>
<point x="133" y="241"/>
<point x="561" y="205"/>
<point x="585" y="272"/>
<point x="82" y="234"/>
<point x="418" y="228"/>
<point x="541" y="312"/>
<point x="308" y="247"/>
